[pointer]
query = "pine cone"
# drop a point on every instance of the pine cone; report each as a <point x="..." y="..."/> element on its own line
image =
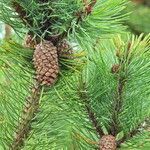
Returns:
<point x="108" y="142"/>
<point x="65" y="50"/>
<point x="115" y="68"/>
<point x="46" y="63"/>
<point x="29" y="42"/>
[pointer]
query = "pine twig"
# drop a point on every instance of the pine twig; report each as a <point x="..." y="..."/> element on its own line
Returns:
<point x="94" y="121"/>
<point x="128" y="136"/>
<point x="87" y="140"/>
<point x="85" y="12"/>
<point x="28" y="21"/>
<point x="83" y="95"/>
<point x="117" y="107"/>
<point x="22" y="13"/>
<point x="29" y="112"/>
<point x="131" y="133"/>
<point x="118" y="103"/>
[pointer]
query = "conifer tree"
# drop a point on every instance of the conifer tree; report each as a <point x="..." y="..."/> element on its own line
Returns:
<point x="77" y="80"/>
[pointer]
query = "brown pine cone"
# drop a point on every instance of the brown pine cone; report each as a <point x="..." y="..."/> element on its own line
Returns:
<point x="108" y="142"/>
<point x="46" y="63"/>
<point x="65" y="50"/>
<point x="29" y="42"/>
<point x="115" y="68"/>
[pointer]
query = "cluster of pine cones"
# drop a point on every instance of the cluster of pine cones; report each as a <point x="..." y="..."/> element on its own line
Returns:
<point x="45" y="59"/>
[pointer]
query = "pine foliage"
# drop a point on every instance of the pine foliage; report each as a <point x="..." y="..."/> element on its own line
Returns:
<point x="103" y="90"/>
<point x="139" y="142"/>
<point x="80" y="108"/>
<point x="16" y="67"/>
<point x="54" y="19"/>
<point x="92" y="95"/>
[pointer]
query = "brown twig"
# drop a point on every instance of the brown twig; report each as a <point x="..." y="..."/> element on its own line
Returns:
<point x="94" y="121"/>
<point x="22" y="13"/>
<point x="117" y="107"/>
<point x="29" y="22"/>
<point x="83" y="95"/>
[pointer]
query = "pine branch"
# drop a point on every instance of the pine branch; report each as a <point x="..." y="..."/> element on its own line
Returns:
<point x="118" y="102"/>
<point x="94" y="121"/>
<point x="22" y="13"/>
<point x="29" y="22"/>
<point x="83" y="95"/>
<point x="54" y="38"/>
<point x="29" y="112"/>
<point x="127" y="137"/>
<point x="80" y="15"/>
<point x="117" y="107"/>
<point x="130" y="134"/>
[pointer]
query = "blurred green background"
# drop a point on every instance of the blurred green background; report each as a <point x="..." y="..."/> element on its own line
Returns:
<point x="139" y="19"/>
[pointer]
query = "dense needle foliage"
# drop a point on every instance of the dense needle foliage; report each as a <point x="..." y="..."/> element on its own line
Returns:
<point x="103" y="89"/>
